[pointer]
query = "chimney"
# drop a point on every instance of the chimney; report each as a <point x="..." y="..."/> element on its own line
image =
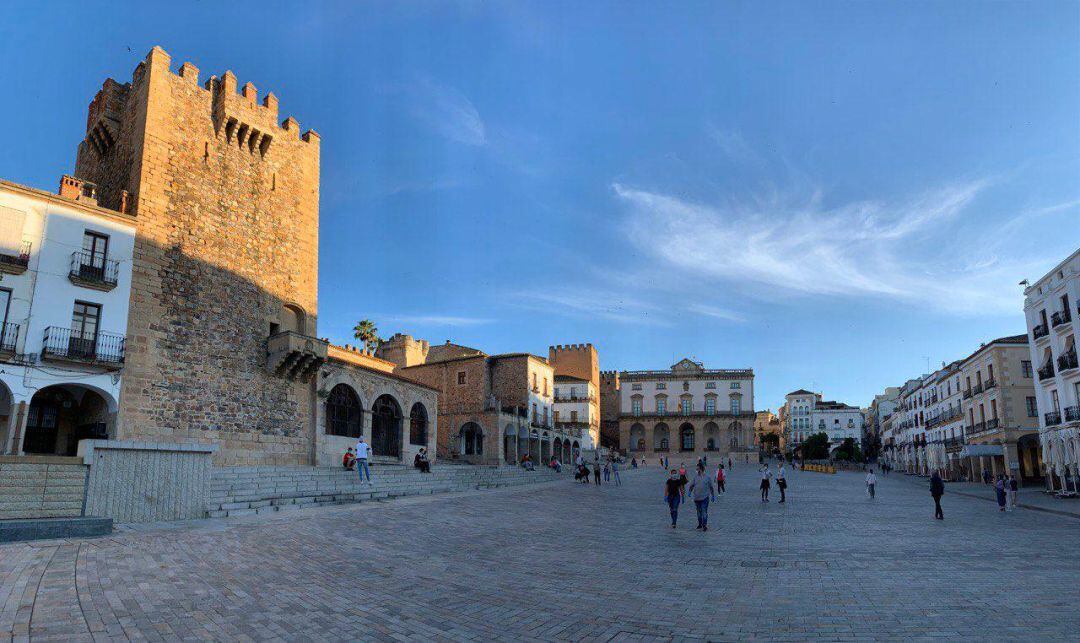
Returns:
<point x="77" y="189"/>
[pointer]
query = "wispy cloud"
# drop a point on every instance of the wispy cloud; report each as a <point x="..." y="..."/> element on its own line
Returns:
<point x="780" y="246"/>
<point x="716" y="313"/>
<point x="445" y="110"/>
<point x="585" y="303"/>
<point x="434" y="320"/>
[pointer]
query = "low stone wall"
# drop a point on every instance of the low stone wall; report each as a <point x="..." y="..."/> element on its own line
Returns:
<point x="136" y="481"/>
<point x="41" y="487"/>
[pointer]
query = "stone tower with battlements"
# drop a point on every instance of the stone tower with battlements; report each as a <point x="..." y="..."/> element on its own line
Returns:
<point x="221" y="341"/>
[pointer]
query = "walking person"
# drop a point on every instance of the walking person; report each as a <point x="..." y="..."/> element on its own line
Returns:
<point x="766" y="477"/>
<point x="615" y="472"/>
<point x="937" y="489"/>
<point x="721" y="478"/>
<point x="596" y="471"/>
<point x="701" y="490"/>
<point x="607" y="472"/>
<point x="362" y="451"/>
<point x="1012" y="488"/>
<point x="729" y="465"/>
<point x="673" y="494"/>
<point x="999" y="491"/>
<point x="871" y="481"/>
<point x="781" y="483"/>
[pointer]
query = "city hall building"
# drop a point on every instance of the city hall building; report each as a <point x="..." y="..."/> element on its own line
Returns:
<point x="687" y="412"/>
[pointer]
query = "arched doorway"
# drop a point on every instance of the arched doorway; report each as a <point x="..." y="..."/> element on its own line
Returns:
<point x="386" y="427"/>
<point x="734" y="431"/>
<point x="418" y="422"/>
<point x="471" y="441"/>
<point x="575" y="450"/>
<point x="686" y="437"/>
<point x="534" y="446"/>
<point x="637" y="438"/>
<point x="61" y="415"/>
<point x="545" y="448"/>
<point x="567" y="452"/>
<point x="712" y="437"/>
<point x="344" y="412"/>
<point x="6" y="404"/>
<point x="558" y="450"/>
<point x="661" y="439"/>
<point x="522" y="442"/>
<point x="510" y="444"/>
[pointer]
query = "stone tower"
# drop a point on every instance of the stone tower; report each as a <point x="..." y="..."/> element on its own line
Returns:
<point x="220" y="344"/>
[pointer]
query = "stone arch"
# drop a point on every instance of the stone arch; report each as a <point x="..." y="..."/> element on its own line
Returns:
<point x="471" y="439"/>
<point x="734" y="432"/>
<point x="386" y="426"/>
<point x="61" y="415"/>
<point x="712" y="436"/>
<point x="293" y="318"/>
<point x="637" y="437"/>
<point x="510" y="452"/>
<point x="661" y="437"/>
<point x="418" y="425"/>
<point x="686" y="437"/>
<point x="344" y="412"/>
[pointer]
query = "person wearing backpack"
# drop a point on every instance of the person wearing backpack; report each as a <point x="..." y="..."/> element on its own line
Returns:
<point x="721" y="477"/>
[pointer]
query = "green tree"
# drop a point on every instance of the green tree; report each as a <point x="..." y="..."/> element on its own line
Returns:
<point x="770" y="441"/>
<point x="849" y="450"/>
<point x="816" y="447"/>
<point x="368" y="333"/>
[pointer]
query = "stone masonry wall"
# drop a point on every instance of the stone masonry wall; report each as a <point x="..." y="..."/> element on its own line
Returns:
<point x="226" y="203"/>
<point x="41" y="487"/>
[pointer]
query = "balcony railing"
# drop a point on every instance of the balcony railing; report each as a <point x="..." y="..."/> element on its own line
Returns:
<point x="1072" y="413"/>
<point x="967" y="394"/>
<point x="1067" y="361"/>
<point x="1046" y="371"/>
<point x="991" y="424"/>
<point x="1052" y="418"/>
<point x="15" y="263"/>
<point x="94" y="270"/>
<point x="990" y="383"/>
<point x="64" y="343"/>
<point x="1059" y="318"/>
<point x="704" y="413"/>
<point x="1040" y="331"/>
<point x="575" y="398"/>
<point x="9" y="336"/>
<point x="979" y="427"/>
<point x="978" y="388"/>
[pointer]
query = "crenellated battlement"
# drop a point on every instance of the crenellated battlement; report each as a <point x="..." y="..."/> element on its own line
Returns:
<point x="571" y="347"/>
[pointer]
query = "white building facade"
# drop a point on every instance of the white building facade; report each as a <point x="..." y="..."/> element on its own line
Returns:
<point x="808" y="414"/>
<point x="64" y="292"/>
<point x="1053" y="322"/>
<point x="576" y="411"/>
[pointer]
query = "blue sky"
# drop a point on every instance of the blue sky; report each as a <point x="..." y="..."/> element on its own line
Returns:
<point x="832" y="193"/>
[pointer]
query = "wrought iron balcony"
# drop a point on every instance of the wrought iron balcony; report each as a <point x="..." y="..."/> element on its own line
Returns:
<point x="978" y="388"/>
<point x="1052" y="418"/>
<point x="967" y="394"/>
<point x="9" y="337"/>
<point x="1040" y="331"/>
<point x="991" y="424"/>
<point x="1061" y="317"/>
<point x="98" y="348"/>
<point x="990" y="383"/>
<point x="1046" y="371"/>
<point x="575" y="398"/>
<point x="1072" y="413"/>
<point x="979" y="427"/>
<point x="15" y="263"/>
<point x="1067" y="361"/>
<point x="93" y="270"/>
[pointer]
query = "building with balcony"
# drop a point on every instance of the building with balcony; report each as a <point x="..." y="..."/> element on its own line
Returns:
<point x="493" y="409"/>
<point x="1000" y="418"/>
<point x="65" y="265"/>
<point x="1052" y="310"/>
<point x="577" y="393"/>
<point x="808" y="414"/>
<point x="687" y="412"/>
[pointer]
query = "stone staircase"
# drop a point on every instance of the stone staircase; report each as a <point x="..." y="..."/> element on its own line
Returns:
<point x="244" y="491"/>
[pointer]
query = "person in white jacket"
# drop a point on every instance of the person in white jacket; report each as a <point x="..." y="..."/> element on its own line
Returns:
<point x="871" y="482"/>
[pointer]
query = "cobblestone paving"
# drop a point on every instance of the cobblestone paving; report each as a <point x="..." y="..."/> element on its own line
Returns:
<point x="566" y="562"/>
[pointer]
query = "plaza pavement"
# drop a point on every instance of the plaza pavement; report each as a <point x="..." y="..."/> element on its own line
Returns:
<point x="563" y="561"/>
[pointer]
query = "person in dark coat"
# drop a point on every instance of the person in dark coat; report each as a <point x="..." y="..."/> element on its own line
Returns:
<point x="937" y="489"/>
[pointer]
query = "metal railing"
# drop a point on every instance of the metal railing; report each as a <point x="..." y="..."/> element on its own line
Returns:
<point x="9" y="336"/>
<point x="94" y="268"/>
<point x="968" y="394"/>
<point x="1061" y="317"/>
<point x="1040" y="331"/>
<point x="68" y="344"/>
<point x="991" y="424"/>
<point x="21" y="258"/>
<point x="978" y="388"/>
<point x="1046" y="371"/>
<point x="1052" y="418"/>
<point x="990" y="383"/>
<point x="1067" y="361"/>
<point x="1072" y="413"/>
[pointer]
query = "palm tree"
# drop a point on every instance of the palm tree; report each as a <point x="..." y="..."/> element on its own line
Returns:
<point x="367" y="333"/>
